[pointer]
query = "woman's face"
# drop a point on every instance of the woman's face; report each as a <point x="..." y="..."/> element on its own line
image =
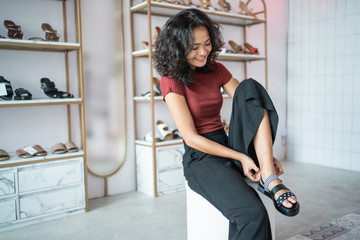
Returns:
<point x="201" y="49"/>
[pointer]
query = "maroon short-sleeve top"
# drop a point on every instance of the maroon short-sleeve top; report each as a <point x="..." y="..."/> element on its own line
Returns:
<point x="202" y="95"/>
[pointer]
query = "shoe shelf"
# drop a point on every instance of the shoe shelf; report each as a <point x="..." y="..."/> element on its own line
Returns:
<point x="221" y="56"/>
<point x="240" y="57"/>
<point x="17" y="161"/>
<point x="147" y="99"/>
<point x="40" y="102"/>
<point x="167" y="10"/>
<point x="149" y="153"/>
<point x="16" y="44"/>
<point x="68" y="198"/>
<point x="156" y="98"/>
<point x="160" y="143"/>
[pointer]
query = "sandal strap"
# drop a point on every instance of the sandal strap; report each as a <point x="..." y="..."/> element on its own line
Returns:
<point x="283" y="197"/>
<point x="277" y="188"/>
<point x="269" y="180"/>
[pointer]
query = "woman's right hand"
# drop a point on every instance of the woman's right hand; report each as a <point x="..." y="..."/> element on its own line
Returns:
<point x="250" y="169"/>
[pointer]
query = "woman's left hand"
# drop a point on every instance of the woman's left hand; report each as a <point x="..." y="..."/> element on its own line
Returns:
<point x="278" y="168"/>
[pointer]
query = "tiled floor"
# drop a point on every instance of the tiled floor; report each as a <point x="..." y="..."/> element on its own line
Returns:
<point x="324" y="194"/>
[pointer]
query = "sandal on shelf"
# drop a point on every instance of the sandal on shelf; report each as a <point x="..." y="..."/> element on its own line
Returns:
<point x="187" y="2"/>
<point x="176" y="134"/>
<point x="146" y="43"/>
<point x="224" y="5"/>
<point x="156" y="82"/>
<point x="71" y="147"/>
<point x="148" y="94"/>
<point x="51" y="91"/>
<point x="6" y="91"/>
<point x="149" y="138"/>
<point x="4" y="155"/>
<point x="263" y="187"/>
<point x="26" y="152"/>
<point x="177" y="2"/>
<point x="245" y="10"/>
<point x="22" y="94"/>
<point x="58" y="148"/>
<point x="50" y="33"/>
<point x="251" y="49"/>
<point x="14" y="31"/>
<point x="164" y="130"/>
<point x="237" y="48"/>
<point x="205" y="4"/>
<point x="36" y="39"/>
<point x="39" y="151"/>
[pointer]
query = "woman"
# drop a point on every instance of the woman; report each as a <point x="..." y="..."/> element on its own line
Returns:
<point x="215" y="165"/>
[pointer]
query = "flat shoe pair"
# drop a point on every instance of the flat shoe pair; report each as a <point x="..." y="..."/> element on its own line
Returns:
<point x="60" y="148"/>
<point x="263" y="187"/>
<point x="4" y="155"/>
<point x="31" y="151"/>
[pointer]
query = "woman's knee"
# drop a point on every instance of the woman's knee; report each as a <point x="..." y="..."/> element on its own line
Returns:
<point x="254" y="215"/>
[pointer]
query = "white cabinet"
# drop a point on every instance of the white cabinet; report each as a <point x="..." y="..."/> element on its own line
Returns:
<point x="33" y="192"/>
<point x="163" y="177"/>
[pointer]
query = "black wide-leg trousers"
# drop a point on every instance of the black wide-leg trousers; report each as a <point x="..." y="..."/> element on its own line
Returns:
<point x="221" y="180"/>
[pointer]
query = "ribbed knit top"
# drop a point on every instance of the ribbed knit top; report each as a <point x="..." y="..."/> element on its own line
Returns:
<point x="202" y="95"/>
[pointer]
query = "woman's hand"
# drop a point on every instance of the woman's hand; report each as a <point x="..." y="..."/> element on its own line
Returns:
<point x="278" y="168"/>
<point x="250" y="169"/>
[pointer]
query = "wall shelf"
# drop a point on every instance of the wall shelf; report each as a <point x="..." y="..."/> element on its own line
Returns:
<point x="40" y="102"/>
<point x="167" y="10"/>
<point x="15" y="44"/>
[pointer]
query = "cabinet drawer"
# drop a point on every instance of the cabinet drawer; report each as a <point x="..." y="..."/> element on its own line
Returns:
<point x="8" y="210"/>
<point x="7" y="183"/>
<point x="169" y="157"/>
<point x="51" y="202"/>
<point x="50" y="175"/>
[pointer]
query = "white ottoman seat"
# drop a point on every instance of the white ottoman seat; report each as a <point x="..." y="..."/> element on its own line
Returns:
<point x="204" y="221"/>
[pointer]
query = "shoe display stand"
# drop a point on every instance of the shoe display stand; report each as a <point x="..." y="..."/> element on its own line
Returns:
<point x="151" y="178"/>
<point x="41" y="188"/>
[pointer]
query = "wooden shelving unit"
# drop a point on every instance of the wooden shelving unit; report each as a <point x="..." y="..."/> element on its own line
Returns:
<point x="70" y="189"/>
<point x="164" y="9"/>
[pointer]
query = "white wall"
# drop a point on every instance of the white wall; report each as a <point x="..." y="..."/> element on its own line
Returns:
<point x="323" y="83"/>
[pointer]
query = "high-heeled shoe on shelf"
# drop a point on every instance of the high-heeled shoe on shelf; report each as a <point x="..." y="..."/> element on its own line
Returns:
<point x="14" y="31"/>
<point x="51" y="91"/>
<point x="204" y="4"/>
<point x="224" y="5"/>
<point x="187" y="2"/>
<point x="146" y="43"/>
<point x="251" y="49"/>
<point x="245" y="10"/>
<point x="50" y="33"/>
<point x="237" y="48"/>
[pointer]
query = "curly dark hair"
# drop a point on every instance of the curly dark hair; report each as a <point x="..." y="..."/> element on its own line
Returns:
<point x="175" y="42"/>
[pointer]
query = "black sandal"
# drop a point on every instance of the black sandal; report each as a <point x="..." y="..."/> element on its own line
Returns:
<point x="8" y="88"/>
<point x="51" y="91"/>
<point x="22" y="94"/>
<point x="263" y="187"/>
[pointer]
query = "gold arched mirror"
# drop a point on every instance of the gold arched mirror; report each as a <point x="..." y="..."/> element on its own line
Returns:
<point x="104" y="77"/>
